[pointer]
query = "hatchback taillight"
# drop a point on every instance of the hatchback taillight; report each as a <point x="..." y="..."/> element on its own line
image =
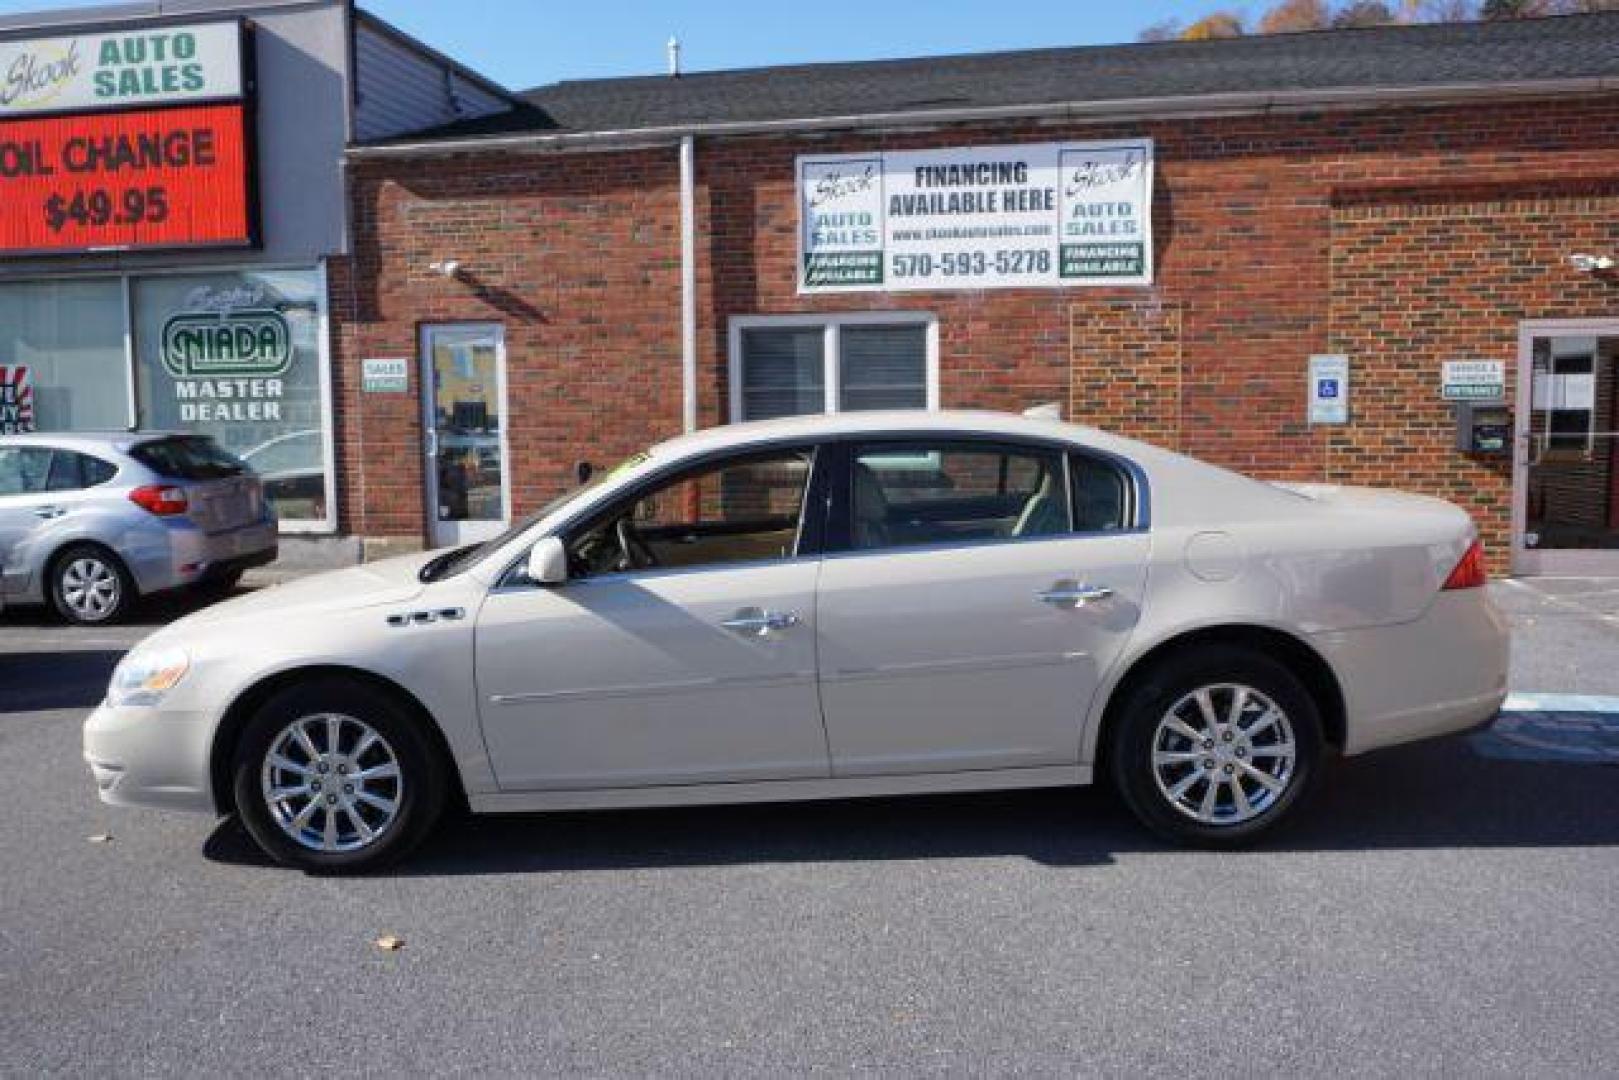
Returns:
<point x="1469" y="573"/>
<point x="161" y="500"/>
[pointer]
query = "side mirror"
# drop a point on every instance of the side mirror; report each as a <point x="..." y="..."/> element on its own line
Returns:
<point x="548" y="562"/>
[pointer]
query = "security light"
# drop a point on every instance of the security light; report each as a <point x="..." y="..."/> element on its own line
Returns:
<point x="1591" y="264"/>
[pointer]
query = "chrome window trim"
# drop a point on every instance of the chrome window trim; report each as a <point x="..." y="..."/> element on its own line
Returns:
<point x="1139" y="492"/>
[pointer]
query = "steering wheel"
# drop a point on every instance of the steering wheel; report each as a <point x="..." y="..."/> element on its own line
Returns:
<point x="635" y="552"/>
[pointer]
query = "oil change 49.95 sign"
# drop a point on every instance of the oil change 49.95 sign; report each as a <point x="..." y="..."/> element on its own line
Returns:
<point x="117" y="180"/>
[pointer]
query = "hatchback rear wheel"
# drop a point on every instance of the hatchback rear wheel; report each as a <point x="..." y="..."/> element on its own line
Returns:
<point x="336" y="777"/>
<point x="89" y="586"/>
<point x="1215" y="748"/>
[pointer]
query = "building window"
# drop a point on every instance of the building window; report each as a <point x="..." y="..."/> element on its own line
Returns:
<point x="794" y="365"/>
<point x="237" y="355"/>
<point x="1564" y="394"/>
<point x="62" y="359"/>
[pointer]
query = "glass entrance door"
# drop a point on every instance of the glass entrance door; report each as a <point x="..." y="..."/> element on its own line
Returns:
<point x="1568" y="450"/>
<point x="464" y="427"/>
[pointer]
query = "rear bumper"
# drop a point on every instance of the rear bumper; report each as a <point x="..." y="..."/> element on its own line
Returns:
<point x="194" y="556"/>
<point x="1442" y="673"/>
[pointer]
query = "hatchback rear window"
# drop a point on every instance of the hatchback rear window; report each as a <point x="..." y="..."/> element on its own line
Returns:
<point x="188" y="457"/>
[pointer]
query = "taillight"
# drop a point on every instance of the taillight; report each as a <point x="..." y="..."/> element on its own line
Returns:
<point x="160" y="500"/>
<point x="1469" y="573"/>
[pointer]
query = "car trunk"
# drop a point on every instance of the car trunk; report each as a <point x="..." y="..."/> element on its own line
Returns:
<point x="224" y="504"/>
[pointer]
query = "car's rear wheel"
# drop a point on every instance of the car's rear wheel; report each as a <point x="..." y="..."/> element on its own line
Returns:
<point x="90" y="586"/>
<point x="1216" y="747"/>
<point x="337" y="777"/>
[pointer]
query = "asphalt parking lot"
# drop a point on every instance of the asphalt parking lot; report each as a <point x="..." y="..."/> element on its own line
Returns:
<point x="1447" y="907"/>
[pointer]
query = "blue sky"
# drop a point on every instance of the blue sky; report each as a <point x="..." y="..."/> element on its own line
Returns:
<point x="525" y="42"/>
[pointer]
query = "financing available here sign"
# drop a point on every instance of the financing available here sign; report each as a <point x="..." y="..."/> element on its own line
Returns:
<point x="1040" y="215"/>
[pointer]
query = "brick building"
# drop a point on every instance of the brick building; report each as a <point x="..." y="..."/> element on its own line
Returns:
<point x="616" y="260"/>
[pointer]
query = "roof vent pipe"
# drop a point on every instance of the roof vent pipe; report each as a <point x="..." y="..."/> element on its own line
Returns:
<point x="674" y="56"/>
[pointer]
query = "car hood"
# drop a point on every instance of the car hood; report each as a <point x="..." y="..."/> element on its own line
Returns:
<point x="389" y="581"/>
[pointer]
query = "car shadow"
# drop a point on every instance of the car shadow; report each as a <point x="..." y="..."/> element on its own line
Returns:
<point x="152" y="611"/>
<point x="70" y="679"/>
<point x="1442" y="794"/>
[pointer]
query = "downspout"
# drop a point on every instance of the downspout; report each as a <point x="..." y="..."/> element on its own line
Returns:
<point x="688" y="282"/>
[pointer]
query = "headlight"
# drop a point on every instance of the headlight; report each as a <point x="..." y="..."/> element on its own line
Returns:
<point x="145" y="676"/>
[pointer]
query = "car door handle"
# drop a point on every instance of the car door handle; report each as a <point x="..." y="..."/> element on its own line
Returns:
<point x="1068" y="594"/>
<point x="49" y="512"/>
<point x="756" y="622"/>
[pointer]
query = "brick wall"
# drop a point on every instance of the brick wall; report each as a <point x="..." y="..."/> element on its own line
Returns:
<point x="1403" y="238"/>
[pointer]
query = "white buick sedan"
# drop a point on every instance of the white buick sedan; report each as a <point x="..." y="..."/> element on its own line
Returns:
<point x="868" y="604"/>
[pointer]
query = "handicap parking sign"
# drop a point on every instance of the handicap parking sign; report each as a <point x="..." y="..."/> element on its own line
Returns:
<point x="1327" y="389"/>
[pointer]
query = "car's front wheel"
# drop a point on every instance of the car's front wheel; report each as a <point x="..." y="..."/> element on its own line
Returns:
<point x="335" y="776"/>
<point x="1215" y="747"/>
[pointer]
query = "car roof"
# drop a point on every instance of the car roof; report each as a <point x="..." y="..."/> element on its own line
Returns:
<point x="890" y="422"/>
<point x="117" y="441"/>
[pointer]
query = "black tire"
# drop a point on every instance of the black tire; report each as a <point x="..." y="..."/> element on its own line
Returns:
<point x="76" y="565"/>
<point x="420" y="795"/>
<point x="1130" y="754"/>
<point x="217" y="588"/>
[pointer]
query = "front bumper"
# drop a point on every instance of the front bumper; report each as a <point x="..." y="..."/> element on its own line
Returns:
<point x="150" y="757"/>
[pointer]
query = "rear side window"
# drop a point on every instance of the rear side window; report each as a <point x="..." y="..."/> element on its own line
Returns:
<point x="1101" y="495"/>
<point x="923" y="492"/>
<point x="71" y="471"/>
<point x="188" y="457"/>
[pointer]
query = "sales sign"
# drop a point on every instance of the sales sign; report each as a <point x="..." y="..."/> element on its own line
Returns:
<point x="121" y="69"/>
<point x="1040" y="215"/>
<point x="172" y="177"/>
<point x="16" y="400"/>
<point x="390" y="375"/>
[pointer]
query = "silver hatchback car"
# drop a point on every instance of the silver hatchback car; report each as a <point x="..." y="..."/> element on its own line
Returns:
<point x="89" y="523"/>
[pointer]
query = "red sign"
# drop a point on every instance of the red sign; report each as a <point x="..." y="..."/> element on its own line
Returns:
<point x="154" y="178"/>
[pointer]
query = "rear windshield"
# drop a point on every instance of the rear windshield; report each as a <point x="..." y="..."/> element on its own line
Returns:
<point x="188" y="457"/>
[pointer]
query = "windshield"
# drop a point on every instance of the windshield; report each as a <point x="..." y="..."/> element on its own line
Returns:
<point x="464" y="558"/>
<point x="188" y="457"/>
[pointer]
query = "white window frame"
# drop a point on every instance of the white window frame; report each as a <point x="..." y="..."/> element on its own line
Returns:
<point x="832" y="325"/>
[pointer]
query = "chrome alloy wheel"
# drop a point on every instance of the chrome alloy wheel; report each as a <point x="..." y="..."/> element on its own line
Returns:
<point x="1223" y="754"/>
<point x="332" y="783"/>
<point x="90" y="588"/>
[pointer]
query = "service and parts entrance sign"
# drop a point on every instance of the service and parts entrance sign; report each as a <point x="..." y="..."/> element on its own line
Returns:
<point x="116" y="142"/>
<point x="991" y="217"/>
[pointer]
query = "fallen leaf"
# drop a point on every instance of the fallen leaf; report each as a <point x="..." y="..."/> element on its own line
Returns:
<point x="390" y="943"/>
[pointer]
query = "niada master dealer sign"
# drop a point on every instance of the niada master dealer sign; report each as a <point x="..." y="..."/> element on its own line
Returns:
<point x="228" y="361"/>
<point x="988" y="217"/>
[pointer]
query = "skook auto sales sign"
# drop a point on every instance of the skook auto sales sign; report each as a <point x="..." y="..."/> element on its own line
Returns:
<point x="1040" y="215"/>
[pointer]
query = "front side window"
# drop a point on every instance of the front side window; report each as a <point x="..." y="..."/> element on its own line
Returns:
<point x="24" y="470"/>
<point x="842" y="364"/>
<point x="741" y="510"/>
<point x="924" y="492"/>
